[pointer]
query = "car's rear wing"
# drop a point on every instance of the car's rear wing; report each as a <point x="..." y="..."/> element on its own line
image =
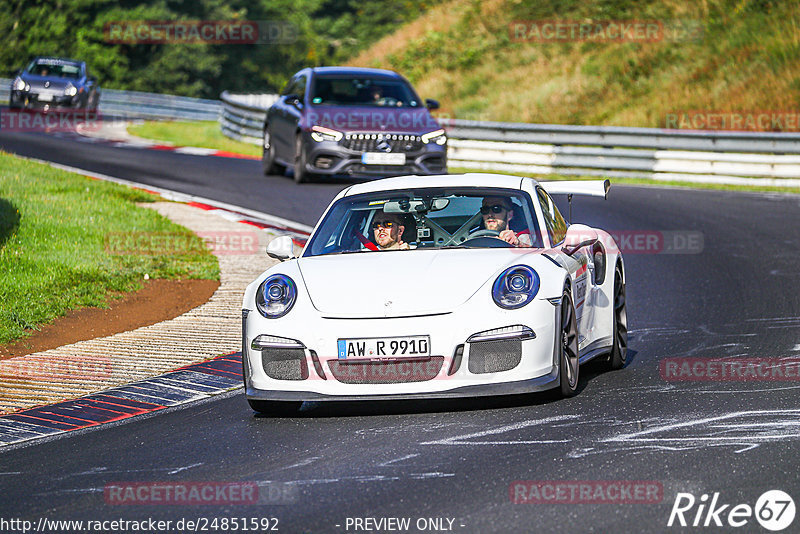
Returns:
<point x="595" y="188"/>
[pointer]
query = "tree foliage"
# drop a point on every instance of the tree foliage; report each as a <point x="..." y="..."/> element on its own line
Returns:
<point x="327" y="33"/>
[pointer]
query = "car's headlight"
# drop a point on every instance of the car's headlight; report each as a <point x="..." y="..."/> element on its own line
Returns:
<point x="515" y="287"/>
<point x="71" y="90"/>
<point x="320" y="133"/>
<point x="276" y="296"/>
<point x="437" y="137"/>
<point x="20" y="85"/>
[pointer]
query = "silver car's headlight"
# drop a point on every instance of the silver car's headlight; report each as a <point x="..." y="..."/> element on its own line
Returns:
<point x="515" y="287"/>
<point x="437" y="137"/>
<point x="275" y="296"/>
<point x="71" y="90"/>
<point x="19" y="84"/>
<point x="320" y="134"/>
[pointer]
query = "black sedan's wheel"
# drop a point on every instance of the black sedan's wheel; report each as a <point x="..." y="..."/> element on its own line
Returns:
<point x="301" y="175"/>
<point x="568" y="365"/>
<point x="619" y="349"/>
<point x="268" y="163"/>
<point x="274" y="407"/>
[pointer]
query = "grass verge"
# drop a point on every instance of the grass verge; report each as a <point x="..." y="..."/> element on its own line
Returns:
<point x="204" y="134"/>
<point x="57" y="245"/>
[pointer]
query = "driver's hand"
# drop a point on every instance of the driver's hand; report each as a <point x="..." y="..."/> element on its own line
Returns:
<point x="402" y="245"/>
<point x="509" y="237"/>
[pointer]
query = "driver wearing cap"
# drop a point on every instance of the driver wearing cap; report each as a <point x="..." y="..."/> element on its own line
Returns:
<point x="497" y="212"/>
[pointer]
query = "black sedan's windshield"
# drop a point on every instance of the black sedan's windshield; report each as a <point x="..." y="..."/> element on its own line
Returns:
<point x="349" y="91"/>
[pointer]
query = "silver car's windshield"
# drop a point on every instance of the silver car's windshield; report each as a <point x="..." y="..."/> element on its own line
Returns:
<point x="427" y="219"/>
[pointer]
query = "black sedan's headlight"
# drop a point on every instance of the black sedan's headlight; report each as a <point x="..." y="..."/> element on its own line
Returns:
<point x="275" y="296"/>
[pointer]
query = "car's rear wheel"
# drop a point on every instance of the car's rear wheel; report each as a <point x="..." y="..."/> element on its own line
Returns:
<point x="274" y="407"/>
<point x="301" y="175"/>
<point x="268" y="157"/>
<point x="568" y="366"/>
<point x="619" y="348"/>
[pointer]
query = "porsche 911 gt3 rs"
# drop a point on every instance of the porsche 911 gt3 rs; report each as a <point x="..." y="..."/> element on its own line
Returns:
<point x="435" y="287"/>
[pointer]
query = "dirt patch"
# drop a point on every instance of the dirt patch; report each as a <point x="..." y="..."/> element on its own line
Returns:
<point x="159" y="300"/>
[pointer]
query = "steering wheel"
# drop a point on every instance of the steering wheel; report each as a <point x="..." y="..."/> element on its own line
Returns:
<point x="484" y="233"/>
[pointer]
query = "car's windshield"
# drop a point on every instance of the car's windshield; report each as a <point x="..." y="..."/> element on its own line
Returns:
<point x="431" y="218"/>
<point x="349" y="91"/>
<point x="54" y="67"/>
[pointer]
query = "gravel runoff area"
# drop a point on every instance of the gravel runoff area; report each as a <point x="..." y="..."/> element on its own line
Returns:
<point x="207" y="331"/>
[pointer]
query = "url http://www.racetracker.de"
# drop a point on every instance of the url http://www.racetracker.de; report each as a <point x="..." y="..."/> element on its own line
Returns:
<point x="197" y="524"/>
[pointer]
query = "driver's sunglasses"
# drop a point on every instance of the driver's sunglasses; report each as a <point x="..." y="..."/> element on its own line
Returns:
<point x="383" y="224"/>
<point x="497" y="208"/>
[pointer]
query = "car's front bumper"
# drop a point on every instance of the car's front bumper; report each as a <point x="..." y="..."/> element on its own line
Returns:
<point x="462" y="368"/>
<point x="332" y="158"/>
<point x="33" y="100"/>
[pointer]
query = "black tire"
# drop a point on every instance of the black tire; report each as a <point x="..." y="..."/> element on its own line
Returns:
<point x="268" y="163"/>
<point x="274" y="407"/>
<point x="301" y="175"/>
<point x="568" y="358"/>
<point x="619" y="348"/>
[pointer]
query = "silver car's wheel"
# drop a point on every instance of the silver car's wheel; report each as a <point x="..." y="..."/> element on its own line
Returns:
<point x="568" y="367"/>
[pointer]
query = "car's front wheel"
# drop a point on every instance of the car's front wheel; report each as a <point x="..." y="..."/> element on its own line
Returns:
<point x="301" y="175"/>
<point x="568" y="364"/>
<point x="268" y="157"/>
<point x="274" y="407"/>
<point x="619" y="348"/>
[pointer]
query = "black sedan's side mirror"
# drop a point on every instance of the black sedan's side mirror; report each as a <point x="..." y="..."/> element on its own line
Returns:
<point x="293" y="100"/>
<point x="431" y="103"/>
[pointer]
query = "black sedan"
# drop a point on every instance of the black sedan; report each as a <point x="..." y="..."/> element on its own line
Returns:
<point x="54" y="83"/>
<point x="346" y="121"/>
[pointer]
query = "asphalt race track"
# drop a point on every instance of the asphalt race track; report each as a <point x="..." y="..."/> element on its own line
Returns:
<point x="450" y="466"/>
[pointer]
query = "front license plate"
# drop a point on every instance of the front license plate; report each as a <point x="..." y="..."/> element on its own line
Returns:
<point x="384" y="347"/>
<point x="382" y="158"/>
<point x="45" y="97"/>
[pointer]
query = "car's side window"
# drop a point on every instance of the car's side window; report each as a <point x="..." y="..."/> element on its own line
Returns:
<point x="556" y="225"/>
<point x="299" y="87"/>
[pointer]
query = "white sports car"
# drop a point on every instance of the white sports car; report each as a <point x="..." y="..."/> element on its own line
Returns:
<point x="435" y="287"/>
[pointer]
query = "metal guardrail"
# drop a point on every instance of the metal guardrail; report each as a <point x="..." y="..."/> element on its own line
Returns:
<point x="141" y="105"/>
<point x="243" y="116"/>
<point x="678" y="155"/>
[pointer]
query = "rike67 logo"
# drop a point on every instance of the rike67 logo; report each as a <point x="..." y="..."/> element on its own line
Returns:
<point x="774" y="510"/>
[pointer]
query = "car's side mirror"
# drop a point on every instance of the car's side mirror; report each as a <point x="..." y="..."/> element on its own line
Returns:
<point x="281" y="248"/>
<point x="431" y="103"/>
<point x="579" y="236"/>
<point x="293" y="100"/>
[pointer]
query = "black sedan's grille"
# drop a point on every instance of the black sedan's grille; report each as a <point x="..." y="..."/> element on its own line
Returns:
<point x="380" y="142"/>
